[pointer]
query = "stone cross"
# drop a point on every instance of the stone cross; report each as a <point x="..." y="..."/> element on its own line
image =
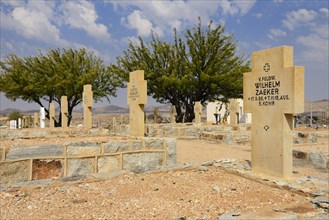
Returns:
<point x="273" y="92"/>
<point x="137" y="98"/>
<point x="197" y="112"/>
<point x="36" y="120"/>
<point x="42" y="117"/>
<point x="173" y="114"/>
<point x="87" y="97"/>
<point x="51" y="115"/>
<point x="64" y="111"/>
<point x="234" y="111"/>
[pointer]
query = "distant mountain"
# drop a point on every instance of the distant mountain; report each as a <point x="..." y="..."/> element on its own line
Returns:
<point x="320" y="106"/>
<point x="113" y="109"/>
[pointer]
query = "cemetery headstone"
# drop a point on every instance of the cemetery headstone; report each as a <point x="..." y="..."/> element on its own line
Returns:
<point x="42" y="117"/>
<point x="156" y="115"/>
<point x="234" y="112"/>
<point x="273" y="92"/>
<point x="52" y="115"/>
<point x="137" y="98"/>
<point x="36" y="120"/>
<point x="87" y="106"/>
<point x="64" y="111"/>
<point x="197" y="112"/>
<point x="173" y="114"/>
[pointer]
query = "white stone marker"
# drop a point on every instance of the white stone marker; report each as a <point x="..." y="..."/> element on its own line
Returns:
<point x="273" y="92"/>
<point x="197" y="112"/>
<point x="52" y="115"/>
<point x="64" y="111"/>
<point x="87" y="106"/>
<point x="42" y="117"/>
<point x="137" y="98"/>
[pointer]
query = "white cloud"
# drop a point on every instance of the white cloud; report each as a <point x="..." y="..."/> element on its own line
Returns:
<point x="236" y="7"/>
<point x="299" y="18"/>
<point x="317" y="48"/>
<point x="82" y="15"/>
<point x="276" y="33"/>
<point x="143" y="26"/>
<point x="258" y="15"/>
<point x="163" y="16"/>
<point x="324" y="11"/>
<point x="33" y="20"/>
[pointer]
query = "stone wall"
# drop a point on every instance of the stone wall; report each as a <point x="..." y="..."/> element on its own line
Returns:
<point x="26" y="163"/>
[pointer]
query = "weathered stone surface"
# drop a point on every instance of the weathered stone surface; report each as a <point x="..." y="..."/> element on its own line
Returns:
<point x="137" y="145"/>
<point x="171" y="150"/>
<point x="312" y="137"/>
<point x="83" y="149"/>
<point x="2" y="151"/>
<point x="80" y="166"/>
<point x="193" y="132"/>
<point x="39" y="134"/>
<point x="317" y="158"/>
<point x="107" y="164"/>
<point x="137" y="161"/>
<point x="299" y="154"/>
<point x="34" y="152"/>
<point x="229" y="139"/>
<point x="115" y="147"/>
<point x="154" y="144"/>
<point x="15" y="172"/>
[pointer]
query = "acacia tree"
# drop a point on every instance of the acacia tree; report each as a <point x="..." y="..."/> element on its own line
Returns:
<point x="47" y="77"/>
<point x="202" y="66"/>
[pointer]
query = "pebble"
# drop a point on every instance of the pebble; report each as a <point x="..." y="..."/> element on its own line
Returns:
<point x="203" y="169"/>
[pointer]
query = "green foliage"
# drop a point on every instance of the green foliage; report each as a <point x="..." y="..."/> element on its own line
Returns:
<point x="202" y="66"/>
<point x="15" y="116"/>
<point x="47" y="77"/>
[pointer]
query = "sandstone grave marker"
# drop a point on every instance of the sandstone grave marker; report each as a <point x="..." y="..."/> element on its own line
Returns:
<point x="173" y="114"/>
<point x="51" y="115"/>
<point x="197" y="112"/>
<point x="273" y="92"/>
<point x="137" y="98"/>
<point x="234" y="112"/>
<point x="64" y="111"/>
<point x="36" y="120"/>
<point x="87" y="97"/>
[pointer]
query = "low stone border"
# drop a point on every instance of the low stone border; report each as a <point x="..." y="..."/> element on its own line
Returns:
<point x="316" y="158"/>
<point x="26" y="163"/>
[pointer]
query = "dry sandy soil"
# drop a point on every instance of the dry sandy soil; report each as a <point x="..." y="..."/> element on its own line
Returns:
<point x="190" y="193"/>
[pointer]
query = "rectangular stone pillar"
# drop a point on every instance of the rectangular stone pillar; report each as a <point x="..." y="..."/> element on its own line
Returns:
<point x="273" y="92"/>
<point x="42" y="117"/>
<point x="87" y="106"/>
<point x="52" y="115"/>
<point x="137" y="98"/>
<point x="64" y="111"/>
<point x="36" y="120"/>
<point x="197" y="112"/>
<point x="173" y="114"/>
<point x="234" y="112"/>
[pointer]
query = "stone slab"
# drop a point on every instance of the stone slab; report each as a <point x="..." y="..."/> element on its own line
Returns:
<point x="34" y="152"/>
<point x="18" y="171"/>
<point x="76" y="167"/>
<point x="136" y="161"/>
<point x="108" y="164"/>
<point x="83" y="149"/>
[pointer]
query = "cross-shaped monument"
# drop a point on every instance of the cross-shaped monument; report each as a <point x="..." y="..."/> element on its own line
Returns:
<point x="64" y="111"/>
<point x="173" y="114"/>
<point x="87" y="97"/>
<point x="197" y="112"/>
<point x="273" y="92"/>
<point x="137" y="98"/>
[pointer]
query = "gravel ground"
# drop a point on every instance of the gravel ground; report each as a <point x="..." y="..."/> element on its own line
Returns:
<point x="164" y="195"/>
<point x="180" y="194"/>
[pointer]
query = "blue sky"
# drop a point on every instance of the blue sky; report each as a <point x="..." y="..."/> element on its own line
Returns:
<point x="107" y="26"/>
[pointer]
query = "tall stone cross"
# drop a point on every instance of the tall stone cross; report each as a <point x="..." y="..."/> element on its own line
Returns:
<point x="52" y="115"/>
<point x="197" y="112"/>
<point x="234" y="111"/>
<point x="64" y="111"/>
<point x="36" y="120"/>
<point x="137" y="98"/>
<point x="87" y="98"/>
<point x="273" y="92"/>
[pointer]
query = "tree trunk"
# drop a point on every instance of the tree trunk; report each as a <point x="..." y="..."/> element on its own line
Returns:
<point x="189" y="113"/>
